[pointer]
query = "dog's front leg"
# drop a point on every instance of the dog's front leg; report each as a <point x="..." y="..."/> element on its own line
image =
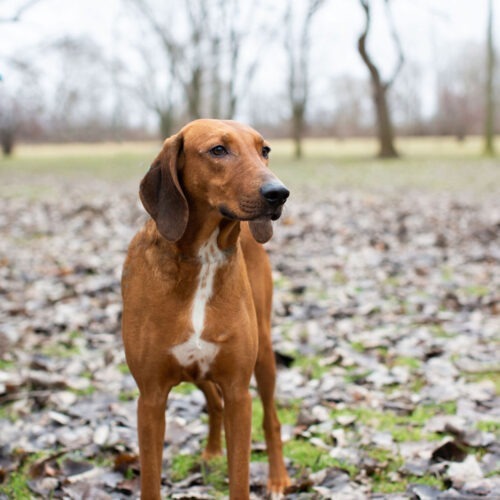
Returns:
<point x="238" y="425"/>
<point x="151" y="426"/>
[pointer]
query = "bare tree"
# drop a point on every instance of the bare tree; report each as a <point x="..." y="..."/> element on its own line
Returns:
<point x="460" y="92"/>
<point x="489" y="128"/>
<point x="298" y="55"/>
<point x="351" y="115"/>
<point x="407" y="100"/>
<point x="10" y="106"/>
<point x="205" y="67"/>
<point x="380" y="88"/>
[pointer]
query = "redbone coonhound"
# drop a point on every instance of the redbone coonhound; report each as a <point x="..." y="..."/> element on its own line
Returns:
<point x="197" y="293"/>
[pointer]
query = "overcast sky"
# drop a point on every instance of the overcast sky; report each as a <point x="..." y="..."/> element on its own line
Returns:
<point x="431" y="30"/>
<point x="452" y="21"/>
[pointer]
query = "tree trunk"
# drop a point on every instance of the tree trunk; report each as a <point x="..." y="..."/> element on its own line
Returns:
<point x="384" y="125"/>
<point x="166" y="123"/>
<point x="194" y="94"/>
<point x="489" y="129"/>
<point x="298" y="128"/>
<point x="385" y="132"/>
<point x="7" y="140"/>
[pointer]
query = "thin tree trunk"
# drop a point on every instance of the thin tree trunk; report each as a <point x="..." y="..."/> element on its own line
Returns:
<point x="298" y="128"/>
<point x="7" y="139"/>
<point x="489" y="129"/>
<point x="166" y="123"/>
<point x="385" y="132"/>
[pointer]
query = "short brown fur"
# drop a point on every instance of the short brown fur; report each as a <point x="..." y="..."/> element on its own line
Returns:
<point x="190" y="193"/>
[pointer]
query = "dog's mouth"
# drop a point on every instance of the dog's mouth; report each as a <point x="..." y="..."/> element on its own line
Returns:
<point x="252" y="215"/>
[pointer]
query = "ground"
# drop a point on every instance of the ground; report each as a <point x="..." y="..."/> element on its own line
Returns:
<point x="386" y="327"/>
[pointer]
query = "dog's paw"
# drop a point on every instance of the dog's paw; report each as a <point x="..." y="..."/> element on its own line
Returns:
<point x="277" y="487"/>
<point x="208" y="455"/>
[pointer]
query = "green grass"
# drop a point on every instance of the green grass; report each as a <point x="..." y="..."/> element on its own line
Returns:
<point x="306" y="455"/>
<point x="60" y="350"/>
<point x="387" y="469"/>
<point x="129" y="395"/>
<point x="123" y="368"/>
<point x="411" y="363"/>
<point x="311" y="366"/>
<point x="492" y="375"/>
<point x="214" y="472"/>
<point x="489" y="426"/>
<point x="403" y="428"/>
<point x="432" y="163"/>
<point x="15" y="485"/>
<point x="6" y="364"/>
<point x="184" y="388"/>
<point x="183" y="465"/>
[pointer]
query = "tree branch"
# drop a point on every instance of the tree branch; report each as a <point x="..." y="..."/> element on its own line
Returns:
<point x="362" y="43"/>
<point x="17" y="16"/>
<point x="397" y="43"/>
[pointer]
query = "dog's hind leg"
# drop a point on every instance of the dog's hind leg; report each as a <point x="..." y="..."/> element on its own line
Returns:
<point x="215" y="415"/>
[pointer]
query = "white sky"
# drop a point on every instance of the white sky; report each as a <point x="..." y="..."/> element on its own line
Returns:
<point x="430" y="31"/>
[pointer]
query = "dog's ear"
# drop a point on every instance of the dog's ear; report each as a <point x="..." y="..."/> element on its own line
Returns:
<point x="261" y="230"/>
<point x="161" y="192"/>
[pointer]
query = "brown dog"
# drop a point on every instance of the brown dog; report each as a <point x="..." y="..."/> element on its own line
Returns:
<point x="197" y="294"/>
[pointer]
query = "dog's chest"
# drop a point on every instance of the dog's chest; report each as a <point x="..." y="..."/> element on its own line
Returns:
<point x="195" y="349"/>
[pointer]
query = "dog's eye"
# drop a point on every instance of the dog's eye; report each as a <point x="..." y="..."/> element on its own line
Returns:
<point x="265" y="151"/>
<point x="219" y="151"/>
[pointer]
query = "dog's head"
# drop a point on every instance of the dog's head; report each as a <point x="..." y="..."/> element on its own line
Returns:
<point x="219" y="166"/>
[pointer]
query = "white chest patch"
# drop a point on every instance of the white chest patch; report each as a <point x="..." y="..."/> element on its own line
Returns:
<point x="195" y="349"/>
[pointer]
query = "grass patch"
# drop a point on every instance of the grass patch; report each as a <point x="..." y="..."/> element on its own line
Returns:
<point x="184" y="388"/>
<point x="7" y="413"/>
<point x="489" y="426"/>
<point x="183" y="465"/>
<point x="388" y="469"/>
<point x="16" y="483"/>
<point x="403" y="428"/>
<point x="411" y="363"/>
<point x="440" y="332"/>
<point x="6" y="365"/>
<point x="215" y="474"/>
<point x="310" y="366"/>
<point x="123" y="368"/>
<point x="430" y="163"/>
<point x="130" y="395"/>
<point x="476" y="290"/>
<point x="358" y="346"/>
<point x="492" y="375"/>
<point x="306" y="455"/>
<point x="60" y="350"/>
<point x="386" y="483"/>
<point x="84" y="392"/>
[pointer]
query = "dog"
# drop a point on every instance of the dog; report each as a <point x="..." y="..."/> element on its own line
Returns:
<point x="197" y="293"/>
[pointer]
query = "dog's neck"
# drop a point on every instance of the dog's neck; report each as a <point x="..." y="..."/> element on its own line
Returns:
<point x="200" y="227"/>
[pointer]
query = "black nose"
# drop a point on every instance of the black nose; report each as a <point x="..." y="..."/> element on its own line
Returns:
<point x="274" y="193"/>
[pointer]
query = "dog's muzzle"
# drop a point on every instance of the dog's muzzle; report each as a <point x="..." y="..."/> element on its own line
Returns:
<point x="274" y="193"/>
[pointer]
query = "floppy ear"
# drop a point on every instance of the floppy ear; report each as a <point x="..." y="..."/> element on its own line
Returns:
<point x="161" y="193"/>
<point x="261" y="230"/>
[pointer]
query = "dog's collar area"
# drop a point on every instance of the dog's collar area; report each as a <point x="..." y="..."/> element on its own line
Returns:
<point x="174" y="253"/>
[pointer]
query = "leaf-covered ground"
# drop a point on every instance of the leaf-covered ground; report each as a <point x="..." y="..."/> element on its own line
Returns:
<point x="386" y="329"/>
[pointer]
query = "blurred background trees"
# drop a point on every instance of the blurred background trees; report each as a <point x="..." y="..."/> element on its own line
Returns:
<point x="269" y="63"/>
